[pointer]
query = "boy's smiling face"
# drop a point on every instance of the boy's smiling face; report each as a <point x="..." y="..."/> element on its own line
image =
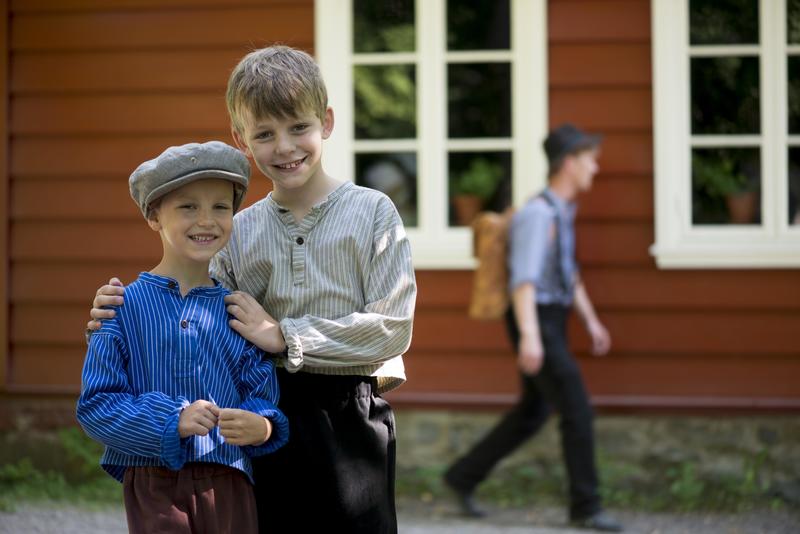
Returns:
<point x="195" y="220"/>
<point x="287" y="150"/>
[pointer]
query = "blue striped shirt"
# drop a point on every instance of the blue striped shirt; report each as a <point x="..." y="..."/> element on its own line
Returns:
<point x="159" y="354"/>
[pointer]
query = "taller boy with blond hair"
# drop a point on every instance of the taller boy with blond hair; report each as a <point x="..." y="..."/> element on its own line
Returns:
<point x="331" y="263"/>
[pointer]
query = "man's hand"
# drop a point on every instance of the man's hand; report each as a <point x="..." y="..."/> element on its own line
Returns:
<point x="530" y="355"/>
<point x="198" y="419"/>
<point x="110" y="294"/>
<point x="241" y="427"/>
<point x="253" y="323"/>
<point x="601" y="339"/>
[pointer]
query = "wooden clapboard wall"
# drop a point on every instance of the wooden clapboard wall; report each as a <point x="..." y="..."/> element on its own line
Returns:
<point x="96" y="87"/>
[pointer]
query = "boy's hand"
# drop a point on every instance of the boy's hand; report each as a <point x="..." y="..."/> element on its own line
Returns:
<point x="531" y="355"/>
<point x="253" y="323"/>
<point x="240" y="427"/>
<point x="108" y="295"/>
<point x="601" y="339"/>
<point x="198" y="419"/>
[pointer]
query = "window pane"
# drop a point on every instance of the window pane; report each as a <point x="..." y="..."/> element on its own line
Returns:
<point x="479" y="100"/>
<point x="794" y="185"/>
<point x="394" y="174"/>
<point x="385" y="101"/>
<point x="726" y="186"/>
<point x="725" y="95"/>
<point x="723" y="22"/>
<point x="478" y="181"/>
<point x="386" y="26"/>
<point x="793" y="65"/>
<point x="793" y="21"/>
<point x="478" y="25"/>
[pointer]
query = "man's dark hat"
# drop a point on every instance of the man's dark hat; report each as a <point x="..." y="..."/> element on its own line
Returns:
<point x="568" y="139"/>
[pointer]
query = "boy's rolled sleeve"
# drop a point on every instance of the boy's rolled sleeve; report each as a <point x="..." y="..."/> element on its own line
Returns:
<point x="528" y="241"/>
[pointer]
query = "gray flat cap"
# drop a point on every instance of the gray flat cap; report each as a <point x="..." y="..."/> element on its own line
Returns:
<point x="180" y="165"/>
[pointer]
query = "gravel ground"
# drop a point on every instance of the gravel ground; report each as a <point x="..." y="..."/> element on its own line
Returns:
<point x="420" y="518"/>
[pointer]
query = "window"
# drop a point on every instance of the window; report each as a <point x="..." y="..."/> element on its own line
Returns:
<point x="726" y="83"/>
<point x="441" y="104"/>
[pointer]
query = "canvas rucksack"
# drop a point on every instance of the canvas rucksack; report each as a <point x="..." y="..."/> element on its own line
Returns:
<point x="490" y="232"/>
<point x="490" y="298"/>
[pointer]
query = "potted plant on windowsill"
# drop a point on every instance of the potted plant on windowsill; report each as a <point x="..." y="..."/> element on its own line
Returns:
<point x="722" y="177"/>
<point x="473" y="187"/>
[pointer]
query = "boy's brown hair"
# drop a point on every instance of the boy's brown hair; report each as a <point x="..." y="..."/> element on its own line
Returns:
<point x="277" y="81"/>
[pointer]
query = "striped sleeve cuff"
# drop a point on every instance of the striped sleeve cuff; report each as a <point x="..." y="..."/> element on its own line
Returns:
<point x="280" y="427"/>
<point x="173" y="447"/>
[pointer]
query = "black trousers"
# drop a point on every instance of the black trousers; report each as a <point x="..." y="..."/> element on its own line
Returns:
<point x="558" y="385"/>
<point x="337" y="472"/>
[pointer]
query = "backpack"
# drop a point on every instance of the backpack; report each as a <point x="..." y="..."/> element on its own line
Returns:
<point x="490" y="298"/>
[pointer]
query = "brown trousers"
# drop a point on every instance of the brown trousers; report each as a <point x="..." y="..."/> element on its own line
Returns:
<point x="198" y="499"/>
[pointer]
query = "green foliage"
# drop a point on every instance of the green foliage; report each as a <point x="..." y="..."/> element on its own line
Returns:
<point x="685" y="489"/>
<point x="480" y="179"/>
<point x="385" y="101"/>
<point x="718" y="175"/>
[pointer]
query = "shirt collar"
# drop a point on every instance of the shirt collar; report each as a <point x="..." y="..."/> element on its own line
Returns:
<point x="562" y="206"/>
<point x="170" y="284"/>
<point x="333" y="196"/>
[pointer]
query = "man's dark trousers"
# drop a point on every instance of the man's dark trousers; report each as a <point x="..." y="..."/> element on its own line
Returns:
<point x="558" y="384"/>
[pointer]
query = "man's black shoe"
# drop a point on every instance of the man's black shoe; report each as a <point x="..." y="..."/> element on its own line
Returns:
<point x="466" y="502"/>
<point x="598" y="521"/>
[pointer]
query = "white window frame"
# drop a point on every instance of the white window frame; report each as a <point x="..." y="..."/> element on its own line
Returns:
<point x="679" y="244"/>
<point x="434" y="244"/>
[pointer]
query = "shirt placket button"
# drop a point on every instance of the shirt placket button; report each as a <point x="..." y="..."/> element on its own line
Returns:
<point x="184" y="324"/>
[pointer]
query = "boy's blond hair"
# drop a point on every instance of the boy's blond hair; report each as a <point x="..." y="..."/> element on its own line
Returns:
<point x="277" y="81"/>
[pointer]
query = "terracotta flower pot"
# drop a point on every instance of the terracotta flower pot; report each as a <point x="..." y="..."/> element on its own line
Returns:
<point x="466" y="207"/>
<point x="742" y="207"/>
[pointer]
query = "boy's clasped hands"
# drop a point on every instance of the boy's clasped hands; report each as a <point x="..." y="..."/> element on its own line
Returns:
<point x="238" y="427"/>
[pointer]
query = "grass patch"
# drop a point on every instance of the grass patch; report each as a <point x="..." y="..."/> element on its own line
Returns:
<point x="678" y="487"/>
<point x="61" y="468"/>
<point x="64" y="467"/>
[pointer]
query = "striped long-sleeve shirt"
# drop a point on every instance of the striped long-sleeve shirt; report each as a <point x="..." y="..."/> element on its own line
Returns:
<point x="340" y="281"/>
<point x="159" y="354"/>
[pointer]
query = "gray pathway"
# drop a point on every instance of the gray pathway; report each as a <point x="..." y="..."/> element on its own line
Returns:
<point x="430" y="519"/>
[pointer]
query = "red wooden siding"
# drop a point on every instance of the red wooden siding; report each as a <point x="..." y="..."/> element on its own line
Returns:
<point x="97" y="87"/>
<point x="681" y="338"/>
<point x="4" y="192"/>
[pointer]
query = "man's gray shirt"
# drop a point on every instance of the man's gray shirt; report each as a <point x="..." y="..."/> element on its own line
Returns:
<point x="542" y="248"/>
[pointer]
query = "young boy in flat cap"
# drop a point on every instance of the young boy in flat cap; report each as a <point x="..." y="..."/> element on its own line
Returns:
<point x="331" y="262"/>
<point x="179" y="399"/>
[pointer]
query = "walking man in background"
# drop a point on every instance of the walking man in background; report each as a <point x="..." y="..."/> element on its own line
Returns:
<point x="545" y="284"/>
